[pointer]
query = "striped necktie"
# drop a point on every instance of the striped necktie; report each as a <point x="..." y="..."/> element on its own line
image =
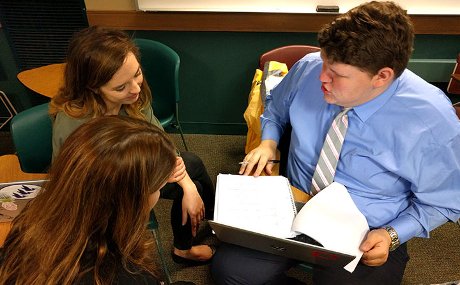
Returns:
<point x="327" y="162"/>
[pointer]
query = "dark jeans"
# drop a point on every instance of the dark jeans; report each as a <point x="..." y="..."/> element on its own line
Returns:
<point x="238" y="265"/>
<point x="197" y="171"/>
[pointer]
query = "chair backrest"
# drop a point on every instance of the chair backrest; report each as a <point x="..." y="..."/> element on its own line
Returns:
<point x="160" y="65"/>
<point x="31" y="131"/>
<point x="454" y="82"/>
<point x="457" y="109"/>
<point x="286" y="54"/>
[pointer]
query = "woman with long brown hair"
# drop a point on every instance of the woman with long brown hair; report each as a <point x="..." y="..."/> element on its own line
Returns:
<point x="103" y="77"/>
<point x="88" y="223"/>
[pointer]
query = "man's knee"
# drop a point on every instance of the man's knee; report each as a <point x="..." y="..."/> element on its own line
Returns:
<point x="223" y="266"/>
<point x="238" y="265"/>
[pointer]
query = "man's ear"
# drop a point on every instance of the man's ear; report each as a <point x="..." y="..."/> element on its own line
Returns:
<point x="383" y="77"/>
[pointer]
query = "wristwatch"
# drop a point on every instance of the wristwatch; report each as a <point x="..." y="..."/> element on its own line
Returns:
<point x="394" y="237"/>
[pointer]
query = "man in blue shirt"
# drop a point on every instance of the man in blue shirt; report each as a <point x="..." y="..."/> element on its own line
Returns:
<point x="400" y="159"/>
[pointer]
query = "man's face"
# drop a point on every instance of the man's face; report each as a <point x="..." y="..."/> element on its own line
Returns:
<point x="345" y="85"/>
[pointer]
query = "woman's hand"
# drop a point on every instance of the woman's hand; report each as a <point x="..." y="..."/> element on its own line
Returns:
<point x="179" y="171"/>
<point x="259" y="157"/>
<point x="192" y="204"/>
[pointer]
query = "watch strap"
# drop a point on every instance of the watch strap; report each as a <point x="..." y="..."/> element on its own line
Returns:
<point x="394" y="237"/>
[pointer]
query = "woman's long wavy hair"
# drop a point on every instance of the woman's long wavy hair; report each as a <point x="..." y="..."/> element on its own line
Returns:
<point x="96" y="202"/>
<point x="94" y="55"/>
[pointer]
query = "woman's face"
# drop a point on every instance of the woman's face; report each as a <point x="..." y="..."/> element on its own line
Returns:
<point x="124" y="87"/>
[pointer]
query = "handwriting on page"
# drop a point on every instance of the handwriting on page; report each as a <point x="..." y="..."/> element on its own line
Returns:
<point x="262" y="204"/>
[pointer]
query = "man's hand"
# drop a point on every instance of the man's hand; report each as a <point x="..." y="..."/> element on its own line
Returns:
<point x="259" y="157"/>
<point x="376" y="247"/>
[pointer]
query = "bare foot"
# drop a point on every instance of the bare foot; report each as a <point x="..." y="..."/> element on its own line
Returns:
<point x="201" y="252"/>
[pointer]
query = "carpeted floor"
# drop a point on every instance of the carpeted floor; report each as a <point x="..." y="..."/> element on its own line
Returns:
<point x="433" y="261"/>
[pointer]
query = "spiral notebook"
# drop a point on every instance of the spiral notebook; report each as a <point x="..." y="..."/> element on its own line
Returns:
<point x="262" y="204"/>
<point x="258" y="213"/>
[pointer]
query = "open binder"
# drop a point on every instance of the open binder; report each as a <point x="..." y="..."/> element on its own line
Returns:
<point x="260" y="213"/>
<point x="261" y="204"/>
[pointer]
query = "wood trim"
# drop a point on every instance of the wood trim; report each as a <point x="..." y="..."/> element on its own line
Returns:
<point x="248" y="22"/>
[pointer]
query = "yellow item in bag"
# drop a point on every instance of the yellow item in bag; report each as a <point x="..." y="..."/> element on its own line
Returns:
<point x="262" y="82"/>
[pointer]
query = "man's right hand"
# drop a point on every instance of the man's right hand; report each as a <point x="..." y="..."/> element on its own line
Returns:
<point x="259" y="157"/>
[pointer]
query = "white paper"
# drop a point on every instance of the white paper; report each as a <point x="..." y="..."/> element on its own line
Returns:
<point x="332" y="218"/>
<point x="261" y="204"/>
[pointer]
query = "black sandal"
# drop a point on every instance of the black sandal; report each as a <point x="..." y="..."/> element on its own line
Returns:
<point x="190" y="262"/>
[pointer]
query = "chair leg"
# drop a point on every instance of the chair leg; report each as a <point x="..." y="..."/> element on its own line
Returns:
<point x="153" y="226"/>
<point x="162" y="258"/>
<point x="178" y="126"/>
<point x="9" y="107"/>
<point x="182" y="136"/>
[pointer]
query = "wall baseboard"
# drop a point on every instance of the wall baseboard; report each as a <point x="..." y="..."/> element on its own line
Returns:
<point x="212" y="128"/>
<point x="432" y="70"/>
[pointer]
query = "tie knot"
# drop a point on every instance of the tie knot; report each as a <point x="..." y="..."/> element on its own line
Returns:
<point x="345" y="110"/>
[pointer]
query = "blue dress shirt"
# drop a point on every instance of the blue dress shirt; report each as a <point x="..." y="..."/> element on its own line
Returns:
<point x="401" y="157"/>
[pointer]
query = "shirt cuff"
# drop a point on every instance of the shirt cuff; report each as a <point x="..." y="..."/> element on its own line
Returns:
<point x="271" y="131"/>
<point x="407" y="227"/>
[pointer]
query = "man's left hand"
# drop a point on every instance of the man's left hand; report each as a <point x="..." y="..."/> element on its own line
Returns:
<point x="376" y="247"/>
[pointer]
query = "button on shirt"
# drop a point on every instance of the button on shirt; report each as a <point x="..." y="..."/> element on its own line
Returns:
<point x="401" y="157"/>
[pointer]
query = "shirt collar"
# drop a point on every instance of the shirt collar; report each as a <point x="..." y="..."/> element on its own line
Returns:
<point x="366" y="110"/>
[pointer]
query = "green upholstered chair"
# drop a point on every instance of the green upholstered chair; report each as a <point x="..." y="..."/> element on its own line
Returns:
<point x="160" y="65"/>
<point x="31" y="131"/>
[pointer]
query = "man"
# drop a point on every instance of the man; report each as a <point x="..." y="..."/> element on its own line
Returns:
<point x="400" y="158"/>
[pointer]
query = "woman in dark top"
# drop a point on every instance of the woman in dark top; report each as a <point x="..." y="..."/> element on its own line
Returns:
<point x="88" y="225"/>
